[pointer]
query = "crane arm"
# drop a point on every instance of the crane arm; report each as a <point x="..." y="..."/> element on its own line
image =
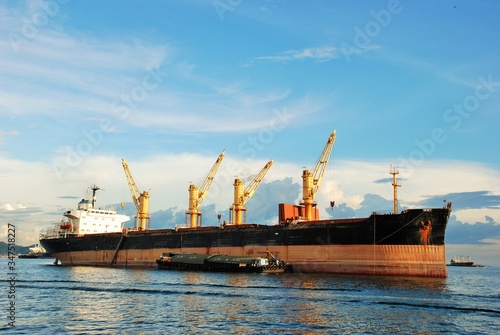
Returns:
<point x="319" y="168"/>
<point x="134" y="190"/>
<point x="196" y="195"/>
<point x="241" y="196"/>
<point x="311" y="180"/>
<point x="141" y="200"/>
<point x="252" y="187"/>
<point x="203" y="189"/>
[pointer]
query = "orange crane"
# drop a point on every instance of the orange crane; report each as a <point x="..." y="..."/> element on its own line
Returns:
<point x="196" y="195"/>
<point x="312" y="180"/>
<point x="141" y="200"/>
<point x="242" y="196"/>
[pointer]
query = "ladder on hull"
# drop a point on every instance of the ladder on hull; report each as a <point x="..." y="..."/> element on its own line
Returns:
<point x="118" y="247"/>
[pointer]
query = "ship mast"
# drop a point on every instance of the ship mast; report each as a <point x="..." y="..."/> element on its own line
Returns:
<point x="95" y="188"/>
<point x="395" y="185"/>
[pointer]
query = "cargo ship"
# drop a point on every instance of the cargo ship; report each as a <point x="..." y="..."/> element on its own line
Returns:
<point x="461" y="261"/>
<point x="409" y="243"/>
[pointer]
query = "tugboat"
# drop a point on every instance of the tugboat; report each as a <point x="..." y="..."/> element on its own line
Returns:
<point x="221" y="263"/>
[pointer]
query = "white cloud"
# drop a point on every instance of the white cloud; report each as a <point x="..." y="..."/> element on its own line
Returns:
<point x="7" y="207"/>
<point x="52" y="72"/>
<point x="473" y="216"/>
<point x="320" y="54"/>
<point x="232" y="113"/>
<point x="66" y="76"/>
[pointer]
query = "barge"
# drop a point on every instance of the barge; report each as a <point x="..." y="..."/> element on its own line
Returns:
<point x="221" y="263"/>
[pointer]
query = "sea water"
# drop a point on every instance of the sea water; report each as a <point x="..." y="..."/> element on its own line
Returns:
<point x="52" y="299"/>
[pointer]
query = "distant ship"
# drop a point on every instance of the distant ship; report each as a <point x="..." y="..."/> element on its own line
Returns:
<point x="409" y="243"/>
<point x="461" y="261"/>
<point x="37" y="251"/>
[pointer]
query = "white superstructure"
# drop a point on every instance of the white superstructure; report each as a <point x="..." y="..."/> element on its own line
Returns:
<point x="37" y="249"/>
<point x="88" y="220"/>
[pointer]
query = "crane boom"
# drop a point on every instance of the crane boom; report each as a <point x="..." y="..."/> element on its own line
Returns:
<point x="196" y="195"/>
<point x="312" y="180"/>
<point x="242" y="196"/>
<point x="141" y="200"/>
<point x="207" y="182"/>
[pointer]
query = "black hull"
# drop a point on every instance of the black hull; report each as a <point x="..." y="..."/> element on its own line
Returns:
<point x="469" y="264"/>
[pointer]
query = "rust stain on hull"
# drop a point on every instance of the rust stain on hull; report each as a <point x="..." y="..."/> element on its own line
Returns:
<point x="400" y="260"/>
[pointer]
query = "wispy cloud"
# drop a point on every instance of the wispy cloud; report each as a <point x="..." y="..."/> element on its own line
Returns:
<point x="468" y="200"/>
<point x="54" y="72"/>
<point x="452" y="73"/>
<point x="16" y="210"/>
<point x="319" y="54"/>
<point x="68" y="197"/>
<point x="387" y="180"/>
<point x="65" y="76"/>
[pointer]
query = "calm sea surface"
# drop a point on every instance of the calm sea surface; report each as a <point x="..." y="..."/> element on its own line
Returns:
<point x="85" y="300"/>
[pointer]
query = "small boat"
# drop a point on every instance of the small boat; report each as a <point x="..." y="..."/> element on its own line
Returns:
<point x="37" y="251"/>
<point x="221" y="263"/>
<point x="461" y="261"/>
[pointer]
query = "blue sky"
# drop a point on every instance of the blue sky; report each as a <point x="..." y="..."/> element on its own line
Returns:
<point x="168" y="85"/>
